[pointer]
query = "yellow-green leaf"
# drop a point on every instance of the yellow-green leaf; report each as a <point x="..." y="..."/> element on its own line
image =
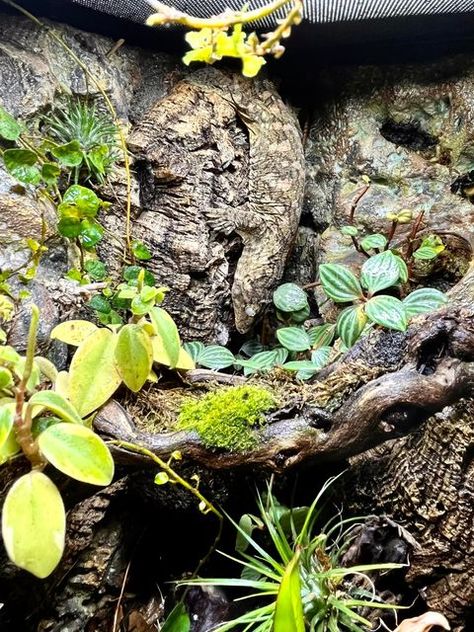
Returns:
<point x="56" y="404"/>
<point x="61" y="384"/>
<point x="78" y="452"/>
<point x="9" y="448"/>
<point x="185" y="361"/>
<point x="34" y="524"/>
<point x="166" y="328"/>
<point x="7" y="417"/>
<point x="289" y="615"/>
<point x="134" y="356"/>
<point x="73" y="332"/>
<point x="93" y="375"/>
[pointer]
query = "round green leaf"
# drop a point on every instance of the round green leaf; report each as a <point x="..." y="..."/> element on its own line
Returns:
<point x="350" y="323"/>
<point x="301" y="365"/>
<point x="93" y="374"/>
<point x="91" y="233"/>
<point x="21" y="163"/>
<point x="95" y="269"/>
<point x="387" y="311"/>
<point x="50" y="172"/>
<point x="165" y="327"/>
<point x="141" y="251"/>
<point x="9" y="128"/>
<point x="350" y="231"/>
<point x="134" y="356"/>
<point x="83" y="199"/>
<point x="69" y="227"/>
<point x="216" y="357"/>
<point x="78" y="452"/>
<point x="289" y="297"/>
<point x="294" y="338"/>
<point x="380" y="271"/>
<point x="339" y="283"/>
<point x="100" y="304"/>
<point x="131" y="273"/>
<point x="34" y="524"/>
<point x="374" y="241"/>
<point x="424" y="300"/>
<point x="70" y="154"/>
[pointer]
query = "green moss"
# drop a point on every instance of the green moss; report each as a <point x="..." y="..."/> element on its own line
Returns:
<point x="227" y="418"/>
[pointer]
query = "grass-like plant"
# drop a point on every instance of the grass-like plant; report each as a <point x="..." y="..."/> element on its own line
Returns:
<point x="94" y="134"/>
<point x="295" y="572"/>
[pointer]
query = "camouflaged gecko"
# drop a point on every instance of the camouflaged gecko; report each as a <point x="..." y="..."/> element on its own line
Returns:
<point x="268" y="218"/>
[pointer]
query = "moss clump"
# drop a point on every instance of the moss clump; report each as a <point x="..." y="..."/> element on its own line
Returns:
<point x="227" y="418"/>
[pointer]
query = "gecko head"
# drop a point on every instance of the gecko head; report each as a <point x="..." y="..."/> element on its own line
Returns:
<point x="247" y="298"/>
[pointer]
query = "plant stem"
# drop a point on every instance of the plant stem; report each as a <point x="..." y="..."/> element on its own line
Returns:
<point x="391" y="234"/>
<point x="356" y="202"/>
<point x="23" y="419"/>
<point x="169" y="15"/>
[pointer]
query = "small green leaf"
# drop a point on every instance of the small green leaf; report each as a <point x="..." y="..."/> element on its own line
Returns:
<point x="99" y="157"/>
<point x="82" y="199"/>
<point x="371" y="242"/>
<point x="73" y="332"/>
<point x="50" y="172"/>
<point x="294" y="338"/>
<point x="387" y="311"/>
<point x="34" y="524"/>
<point x="300" y="316"/>
<point x="141" y="251"/>
<point x="139" y="307"/>
<point x="322" y="335"/>
<point x="165" y="327"/>
<point x="91" y="233"/>
<point x="301" y="365"/>
<point x="350" y="231"/>
<point x="289" y="297"/>
<point x="95" y="269"/>
<point x="57" y="404"/>
<point x="134" y="356"/>
<point x="289" y="616"/>
<point x="425" y="253"/>
<point x="162" y="478"/>
<point x="69" y="227"/>
<point x="69" y="155"/>
<point x="194" y="349"/>
<point x="99" y="304"/>
<point x="424" y="300"/>
<point x="131" y="273"/>
<point x="251" y="347"/>
<point x="6" y="378"/>
<point x="320" y="356"/>
<point x="263" y="361"/>
<point x="93" y="374"/>
<point x="21" y="163"/>
<point x="403" y="269"/>
<point x="216" y="357"/>
<point x="339" y="283"/>
<point x="10" y="129"/>
<point x="350" y="323"/>
<point x="9" y="448"/>
<point x="178" y="620"/>
<point x="77" y="452"/>
<point x="380" y="271"/>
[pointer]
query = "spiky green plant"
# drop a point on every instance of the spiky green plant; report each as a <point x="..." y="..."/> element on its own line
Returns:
<point x="93" y="132"/>
<point x="326" y="599"/>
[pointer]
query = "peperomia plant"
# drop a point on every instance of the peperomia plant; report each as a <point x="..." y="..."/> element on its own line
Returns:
<point x="38" y="421"/>
<point x="380" y="272"/>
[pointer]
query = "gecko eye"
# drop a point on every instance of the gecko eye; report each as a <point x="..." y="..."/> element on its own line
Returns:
<point x="250" y="311"/>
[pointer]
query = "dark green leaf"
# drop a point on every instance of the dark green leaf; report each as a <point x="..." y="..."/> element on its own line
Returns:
<point x="96" y="269"/>
<point x="9" y="128"/>
<point x="21" y="163"/>
<point x="424" y="300"/>
<point x="387" y="311"/>
<point x="69" y="155"/>
<point x="99" y="157"/>
<point x="294" y="338"/>
<point x="100" y="304"/>
<point x="69" y="227"/>
<point x="301" y="315"/>
<point x="380" y="271"/>
<point x="339" y="283"/>
<point x="141" y="251"/>
<point x="91" y="233"/>
<point x="50" y="172"/>
<point x="289" y="297"/>
<point x="350" y="323"/>
<point x="251" y="347"/>
<point x="178" y="620"/>
<point x="131" y="273"/>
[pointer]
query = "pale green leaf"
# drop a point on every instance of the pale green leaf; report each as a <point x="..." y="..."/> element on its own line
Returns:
<point x="322" y="335"/>
<point x="73" y="332"/>
<point x="339" y="283"/>
<point x="424" y="300"/>
<point x="425" y="253"/>
<point x="289" y="616"/>
<point x="294" y="338"/>
<point x="216" y="357"/>
<point x="387" y="311"/>
<point x="93" y="374"/>
<point x="78" y="452"/>
<point x="403" y="269"/>
<point x="57" y="404"/>
<point x="194" y="349"/>
<point x="320" y="357"/>
<point x="166" y="328"/>
<point x="9" y="448"/>
<point x="34" y="524"/>
<point x="7" y="417"/>
<point x="9" y="128"/>
<point x="289" y="297"/>
<point x="350" y="323"/>
<point x="377" y="240"/>
<point x="379" y="272"/>
<point x="134" y="356"/>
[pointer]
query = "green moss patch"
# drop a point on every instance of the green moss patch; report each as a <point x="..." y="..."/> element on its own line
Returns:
<point x="228" y="417"/>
